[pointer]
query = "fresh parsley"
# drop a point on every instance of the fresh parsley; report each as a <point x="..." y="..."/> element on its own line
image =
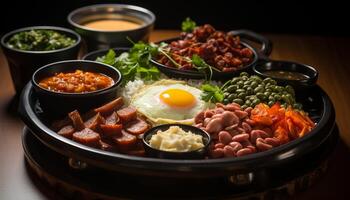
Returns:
<point x="135" y="63"/>
<point x="212" y="93"/>
<point x="188" y="25"/>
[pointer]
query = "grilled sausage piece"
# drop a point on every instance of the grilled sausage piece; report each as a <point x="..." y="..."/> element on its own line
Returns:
<point x="137" y="127"/>
<point x="66" y="131"/>
<point x="87" y="137"/>
<point x="127" y="114"/>
<point x="77" y="121"/>
<point x="111" y="130"/>
<point x="110" y="107"/>
<point x="95" y="122"/>
<point x="112" y="119"/>
<point x="125" y="142"/>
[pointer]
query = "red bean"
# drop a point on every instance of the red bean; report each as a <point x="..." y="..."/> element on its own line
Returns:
<point x="246" y="127"/>
<point x="261" y="145"/>
<point x="229" y="151"/>
<point x="236" y="146"/>
<point x="215" y="125"/>
<point x="241" y="114"/>
<point x="232" y="107"/>
<point x="219" y="145"/>
<point x="199" y="118"/>
<point x="208" y="113"/>
<point x="224" y="137"/>
<point x="217" y="153"/>
<point x="272" y="141"/>
<point x="244" y="152"/>
<point x="229" y="118"/>
<point x="241" y="137"/>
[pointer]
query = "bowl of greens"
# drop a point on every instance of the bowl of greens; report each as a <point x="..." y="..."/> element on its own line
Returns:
<point x="26" y="49"/>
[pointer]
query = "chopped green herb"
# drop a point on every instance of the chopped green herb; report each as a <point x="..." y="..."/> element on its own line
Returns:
<point x="135" y="63"/>
<point x="188" y="25"/>
<point x="212" y="93"/>
<point x="40" y="40"/>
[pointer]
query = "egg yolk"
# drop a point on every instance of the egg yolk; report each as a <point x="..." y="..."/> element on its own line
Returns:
<point x="177" y="98"/>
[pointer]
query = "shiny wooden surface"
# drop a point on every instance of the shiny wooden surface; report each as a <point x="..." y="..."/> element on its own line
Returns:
<point x="329" y="55"/>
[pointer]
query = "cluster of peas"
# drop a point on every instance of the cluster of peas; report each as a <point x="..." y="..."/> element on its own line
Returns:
<point x="248" y="91"/>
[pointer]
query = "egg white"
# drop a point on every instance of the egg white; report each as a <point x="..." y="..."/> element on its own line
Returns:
<point x="147" y="102"/>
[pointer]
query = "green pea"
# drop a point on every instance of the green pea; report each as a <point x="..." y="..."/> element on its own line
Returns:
<point x="226" y="94"/>
<point x="239" y="101"/>
<point x="261" y="95"/>
<point x="225" y="101"/>
<point x="241" y="95"/>
<point x="256" y="102"/>
<point x="231" y="88"/>
<point x="235" y="80"/>
<point x="246" y="87"/>
<point x="250" y="91"/>
<point x="273" y="82"/>
<point x="244" y="107"/>
<point x="267" y="80"/>
<point x="247" y="102"/>
<point x="277" y="97"/>
<point x="267" y="93"/>
<point x="254" y="84"/>
<point x="247" y="82"/>
<point x="290" y="90"/>
<point x="270" y="103"/>
<point x="258" y="89"/>
<point x="231" y="97"/>
<point x="243" y="74"/>
<point x="240" y="84"/>
<point x="240" y="91"/>
<point x="271" y="98"/>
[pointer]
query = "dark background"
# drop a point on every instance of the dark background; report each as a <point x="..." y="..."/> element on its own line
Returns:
<point x="284" y="16"/>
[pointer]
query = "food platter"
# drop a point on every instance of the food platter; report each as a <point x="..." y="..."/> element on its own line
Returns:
<point x="320" y="108"/>
<point x="207" y="105"/>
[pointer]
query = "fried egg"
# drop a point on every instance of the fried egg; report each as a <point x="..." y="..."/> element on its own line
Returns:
<point x="169" y="101"/>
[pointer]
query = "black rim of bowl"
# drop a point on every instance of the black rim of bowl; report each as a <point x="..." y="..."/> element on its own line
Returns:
<point x="137" y="8"/>
<point x="116" y="83"/>
<point x="154" y="129"/>
<point x="259" y="69"/>
<point x="53" y="139"/>
<point x="54" y="28"/>
<point x="86" y="56"/>
<point x="193" y="72"/>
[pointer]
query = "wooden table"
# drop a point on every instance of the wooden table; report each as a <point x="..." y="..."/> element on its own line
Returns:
<point x="329" y="55"/>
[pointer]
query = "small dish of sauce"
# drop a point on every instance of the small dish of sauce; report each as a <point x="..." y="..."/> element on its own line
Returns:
<point x="76" y="82"/>
<point x="112" y="25"/>
<point x="287" y="75"/>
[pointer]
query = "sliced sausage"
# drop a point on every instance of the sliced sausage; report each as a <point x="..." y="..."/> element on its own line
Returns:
<point x="95" y="122"/>
<point x="87" y="137"/>
<point x="126" y="141"/>
<point x="104" y="145"/>
<point x="66" y="131"/>
<point x="111" y="130"/>
<point x="127" y="114"/>
<point x="137" y="126"/>
<point x="112" y="119"/>
<point x="110" y="107"/>
<point x="77" y="121"/>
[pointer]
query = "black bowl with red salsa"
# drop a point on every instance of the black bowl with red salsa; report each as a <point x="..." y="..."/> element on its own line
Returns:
<point x="227" y="54"/>
<point x="74" y="84"/>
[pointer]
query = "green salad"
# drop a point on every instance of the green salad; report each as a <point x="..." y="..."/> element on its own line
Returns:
<point x="40" y="40"/>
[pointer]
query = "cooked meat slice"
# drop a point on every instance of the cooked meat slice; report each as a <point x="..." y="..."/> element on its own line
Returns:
<point x="112" y="119"/>
<point x="127" y="114"/>
<point x="110" y="107"/>
<point x="95" y="122"/>
<point x="111" y="130"/>
<point x="78" y="123"/>
<point x="137" y="127"/>
<point x="125" y="142"/>
<point x="105" y="145"/>
<point x="66" y="131"/>
<point x="59" y="124"/>
<point x="87" y="137"/>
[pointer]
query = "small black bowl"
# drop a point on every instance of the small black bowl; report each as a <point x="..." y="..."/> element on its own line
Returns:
<point x="197" y="154"/>
<point x="309" y="72"/>
<point x="58" y="104"/>
<point x="245" y="35"/>
<point x="23" y="63"/>
<point x="99" y="53"/>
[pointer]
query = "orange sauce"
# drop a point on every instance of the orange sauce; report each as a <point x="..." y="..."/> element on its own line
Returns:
<point x="112" y="25"/>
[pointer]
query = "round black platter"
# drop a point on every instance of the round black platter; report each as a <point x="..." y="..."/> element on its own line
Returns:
<point x="279" y="182"/>
<point x="316" y="102"/>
